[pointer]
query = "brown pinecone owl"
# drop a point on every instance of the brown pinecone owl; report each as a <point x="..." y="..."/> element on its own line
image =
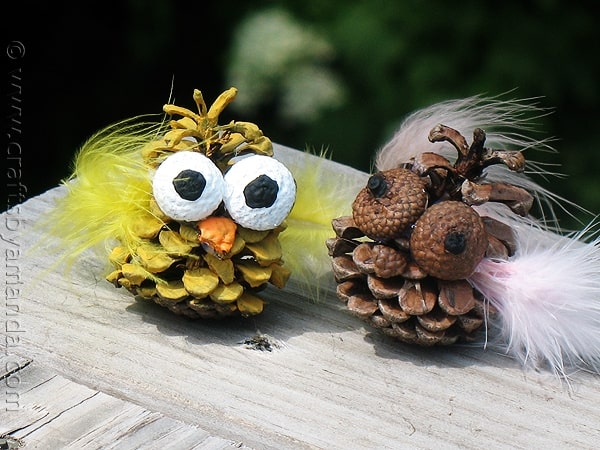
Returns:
<point x="403" y="258"/>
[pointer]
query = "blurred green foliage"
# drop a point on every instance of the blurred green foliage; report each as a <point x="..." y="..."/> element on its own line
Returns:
<point x="90" y="65"/>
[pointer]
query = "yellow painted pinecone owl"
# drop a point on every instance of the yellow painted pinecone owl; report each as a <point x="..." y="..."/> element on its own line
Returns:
<point x="208" y="240"/>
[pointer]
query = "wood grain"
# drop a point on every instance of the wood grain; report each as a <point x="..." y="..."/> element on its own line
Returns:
<point x="98" y="369"/>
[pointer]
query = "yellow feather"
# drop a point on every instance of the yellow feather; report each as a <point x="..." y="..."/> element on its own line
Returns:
<point x="108" y="193"/>
<point x="325" y="191"/>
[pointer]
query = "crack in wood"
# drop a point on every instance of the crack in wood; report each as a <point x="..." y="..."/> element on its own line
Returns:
<point x="11" y="366"/>
<point x="56" y="416"/>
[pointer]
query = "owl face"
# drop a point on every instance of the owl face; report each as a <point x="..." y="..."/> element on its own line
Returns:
<point x="256" y="192"/>
<point x="446" y="239"/>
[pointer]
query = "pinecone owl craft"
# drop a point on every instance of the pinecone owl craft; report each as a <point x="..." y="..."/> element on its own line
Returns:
<point x="423" y="240"/>
<point x="439" y="246"/>
<point x="190" y="210"/>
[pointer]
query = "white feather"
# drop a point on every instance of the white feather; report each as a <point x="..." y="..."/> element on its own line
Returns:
<point x="508" y="125"/>
<point x="504" y="121"/>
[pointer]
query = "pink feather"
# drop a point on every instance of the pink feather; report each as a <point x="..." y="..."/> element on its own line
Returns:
<point x="548" y="299"/>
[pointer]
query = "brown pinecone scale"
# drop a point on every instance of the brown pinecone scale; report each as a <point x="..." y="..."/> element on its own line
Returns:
<point x="383" y="285"/>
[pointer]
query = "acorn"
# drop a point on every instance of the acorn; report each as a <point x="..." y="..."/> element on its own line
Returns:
<point x="377" y="211"/>
<point x="448" y="240"/>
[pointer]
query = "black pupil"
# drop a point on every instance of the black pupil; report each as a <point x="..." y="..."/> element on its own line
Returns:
<point x="455" y="243"/>
<point x="189" y="184"/>
<point x="377" y="185"/>
<point x="261" y="192"/>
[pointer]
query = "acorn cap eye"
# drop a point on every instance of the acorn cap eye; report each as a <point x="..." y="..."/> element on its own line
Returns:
<point x="389" y="204"/>
<point x="449" y="240"/>
<point x="260" y="192"/>
<point x="188" y="186"/>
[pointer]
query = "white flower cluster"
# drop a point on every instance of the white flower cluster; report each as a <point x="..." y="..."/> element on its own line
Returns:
<point x="274" y="58"/>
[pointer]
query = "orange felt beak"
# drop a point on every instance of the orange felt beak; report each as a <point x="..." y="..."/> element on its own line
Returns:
<point x="218" y="233"/>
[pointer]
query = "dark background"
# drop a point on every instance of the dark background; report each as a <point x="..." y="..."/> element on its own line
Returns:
<point x="89" y="64"/>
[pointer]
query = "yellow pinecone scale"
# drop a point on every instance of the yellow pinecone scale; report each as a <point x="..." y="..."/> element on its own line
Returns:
<point x="172" y="269"/>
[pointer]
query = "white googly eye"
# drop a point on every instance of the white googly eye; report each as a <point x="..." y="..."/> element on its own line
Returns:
<point x="260" y="192"/>
<point x="187" y="186"/>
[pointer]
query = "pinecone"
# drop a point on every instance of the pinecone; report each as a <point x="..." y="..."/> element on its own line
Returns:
<point x="402" y="259"/>
<point x="206" y="241"/>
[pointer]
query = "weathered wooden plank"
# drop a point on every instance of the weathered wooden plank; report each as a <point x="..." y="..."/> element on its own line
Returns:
<point x="333" y="383"/>
<point x="54" y="412"/>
